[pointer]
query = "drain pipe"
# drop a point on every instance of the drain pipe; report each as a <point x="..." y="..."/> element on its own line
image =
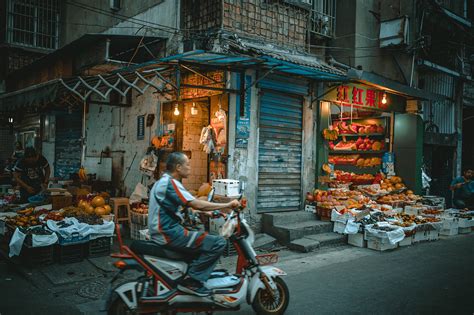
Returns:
<point x="334" y="62"/>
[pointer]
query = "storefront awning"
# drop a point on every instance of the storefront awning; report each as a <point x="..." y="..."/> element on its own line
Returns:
<point x="142" y="76"/>
<point x="236" y="61"/>
<point x="391" y="86"/>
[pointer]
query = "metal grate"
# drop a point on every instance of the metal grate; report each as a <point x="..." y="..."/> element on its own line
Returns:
<point x="33" y="23"/>
<point x="323" y="18"/>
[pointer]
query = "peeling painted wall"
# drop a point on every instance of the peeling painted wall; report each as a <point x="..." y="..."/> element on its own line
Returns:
<point x="115" y="128"/>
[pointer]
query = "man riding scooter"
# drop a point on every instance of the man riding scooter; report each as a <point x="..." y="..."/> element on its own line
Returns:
<point x="167" y="198"/>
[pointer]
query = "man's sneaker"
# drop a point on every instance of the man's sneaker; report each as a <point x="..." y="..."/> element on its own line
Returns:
<point x="191" y="286"/>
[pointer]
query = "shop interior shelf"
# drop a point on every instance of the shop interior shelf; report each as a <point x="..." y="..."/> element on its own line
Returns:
<point x="356" y="152"/>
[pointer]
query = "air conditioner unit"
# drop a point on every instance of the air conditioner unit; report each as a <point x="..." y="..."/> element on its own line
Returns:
<point x="306" y="4"/>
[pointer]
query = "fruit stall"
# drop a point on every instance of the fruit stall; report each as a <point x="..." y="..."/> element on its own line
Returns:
<point x="369" y="173"/>
<point x="379" y="219"/>
<point x="44" y="235"/>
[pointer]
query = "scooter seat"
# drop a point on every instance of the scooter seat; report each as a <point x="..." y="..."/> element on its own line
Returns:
<point x="152" y="249"/>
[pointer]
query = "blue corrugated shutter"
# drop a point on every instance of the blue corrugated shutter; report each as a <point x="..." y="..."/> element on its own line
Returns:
<point x="68" y="145"/>
<point x="280" y="151"/>
<point x="285" y="84"/>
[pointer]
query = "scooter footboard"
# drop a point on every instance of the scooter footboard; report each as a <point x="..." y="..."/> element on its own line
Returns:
<point x="256" y="283"/>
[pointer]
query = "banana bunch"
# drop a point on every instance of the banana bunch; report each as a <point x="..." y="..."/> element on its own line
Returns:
<point x="330" y="135"/>
<point x="82" y="174"/>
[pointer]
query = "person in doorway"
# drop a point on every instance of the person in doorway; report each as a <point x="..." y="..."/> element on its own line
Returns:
<point x="167" y="198"/>
<point x="31" y="173"/>
<point x="463" y="188"/>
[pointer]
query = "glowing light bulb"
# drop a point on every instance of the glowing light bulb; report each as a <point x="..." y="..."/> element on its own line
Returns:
<point x="384" y="98"/>
<point x="10" y="120"/>
<point x="176" y="111"/>
<point x="194" y="110"/>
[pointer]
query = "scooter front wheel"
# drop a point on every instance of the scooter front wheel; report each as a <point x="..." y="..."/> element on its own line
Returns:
<point x="265" y="304"/>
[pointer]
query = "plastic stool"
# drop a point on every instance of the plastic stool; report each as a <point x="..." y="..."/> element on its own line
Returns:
<point x="116" y="204"/>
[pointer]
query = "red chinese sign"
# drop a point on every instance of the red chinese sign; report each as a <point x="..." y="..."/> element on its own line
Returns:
<point x="361" y="96"/>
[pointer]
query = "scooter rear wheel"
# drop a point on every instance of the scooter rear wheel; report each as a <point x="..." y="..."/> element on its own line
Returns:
<point x="118" y="307"/>
<point x="266" y="305"/>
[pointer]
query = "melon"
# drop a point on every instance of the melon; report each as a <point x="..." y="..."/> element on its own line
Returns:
<point x="98" y="201"/>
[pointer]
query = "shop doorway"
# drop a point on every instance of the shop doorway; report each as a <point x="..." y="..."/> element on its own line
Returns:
<point x="186" y="122"/>
<point x="280" y="152"/>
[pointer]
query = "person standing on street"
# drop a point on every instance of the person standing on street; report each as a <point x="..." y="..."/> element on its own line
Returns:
<point x="167" y="198"/>
<point x="32" y="173"/>
<point x="463" y="188"/>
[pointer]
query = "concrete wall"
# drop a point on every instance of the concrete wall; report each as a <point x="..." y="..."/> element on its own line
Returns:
<point x="357" y="33"/>
<point x="115" y="128"/>
<point x="99" y="17"/>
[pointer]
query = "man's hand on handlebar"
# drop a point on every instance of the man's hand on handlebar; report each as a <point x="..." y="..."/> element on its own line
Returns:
<point x="234" y="204"/>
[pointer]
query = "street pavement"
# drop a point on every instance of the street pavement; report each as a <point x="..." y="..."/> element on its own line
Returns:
<point x="428" y="278"/>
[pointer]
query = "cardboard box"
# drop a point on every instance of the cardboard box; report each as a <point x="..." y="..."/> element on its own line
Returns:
<point x="357" y="240"/>
<point x="226" y="187"/>
<point x="59" y="202"/>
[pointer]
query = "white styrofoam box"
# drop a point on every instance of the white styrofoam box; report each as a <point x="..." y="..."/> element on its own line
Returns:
<point x="310" y="208"/>
<point x="357" y="240"/>
<point x="377" y="244"/>
<point x="433" y="235"/>
<point x="464" y="230"/>
<point x="420" y="236"/>
<point x="226" y="187"/>
<point x="339" y="227"/>
<point x="449" y="232"/>
<point x="407" y="241"/>
<point x="465" y="223"/>
<point x="450" y="223"/>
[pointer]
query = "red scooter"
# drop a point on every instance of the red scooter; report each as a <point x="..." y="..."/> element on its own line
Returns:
<point x="155" y="290"/>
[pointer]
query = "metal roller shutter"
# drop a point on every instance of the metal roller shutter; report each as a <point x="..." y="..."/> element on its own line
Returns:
<point x="280" y="152"/>
<point x="68" y="145"/>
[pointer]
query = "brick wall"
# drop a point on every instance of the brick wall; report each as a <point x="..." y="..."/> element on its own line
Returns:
<point x="200" y="15"/>
<point x="281" y="24"/>
<point x="192" y="127"/>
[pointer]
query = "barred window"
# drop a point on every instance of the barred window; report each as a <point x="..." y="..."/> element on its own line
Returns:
<point x="33" y="23"/>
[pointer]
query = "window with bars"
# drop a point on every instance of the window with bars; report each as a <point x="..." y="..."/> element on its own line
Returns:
<point x="33" y="23"/>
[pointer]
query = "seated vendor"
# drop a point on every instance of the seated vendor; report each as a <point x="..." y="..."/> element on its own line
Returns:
<point x="463" y="188"/>
<point x="31" y="173"/>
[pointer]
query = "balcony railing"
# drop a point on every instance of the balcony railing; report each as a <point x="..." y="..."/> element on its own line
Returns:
<point x="322" y="24"/>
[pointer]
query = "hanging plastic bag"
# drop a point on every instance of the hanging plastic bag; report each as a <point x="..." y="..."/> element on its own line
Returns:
<point x="148" y="164"/>
<point x="229" y="226"/>
<point x="139" y="193"/>
<point x="16" y="243"/>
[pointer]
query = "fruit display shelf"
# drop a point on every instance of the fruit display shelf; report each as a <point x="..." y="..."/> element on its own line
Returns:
<point x="361" y="134"/>
<point x="356" y="169"/>
<point x="355" y="152"/>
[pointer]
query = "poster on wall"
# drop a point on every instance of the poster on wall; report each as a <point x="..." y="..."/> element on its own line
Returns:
<point x="243" y="122"/>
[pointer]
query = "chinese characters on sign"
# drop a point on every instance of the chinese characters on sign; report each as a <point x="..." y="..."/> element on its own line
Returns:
<point x="360" y="97"/>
